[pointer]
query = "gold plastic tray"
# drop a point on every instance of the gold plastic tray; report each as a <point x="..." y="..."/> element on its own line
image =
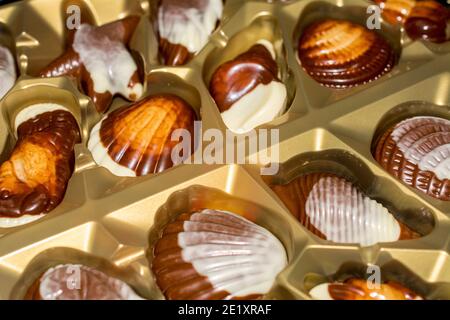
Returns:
<point x="108" y="221"/>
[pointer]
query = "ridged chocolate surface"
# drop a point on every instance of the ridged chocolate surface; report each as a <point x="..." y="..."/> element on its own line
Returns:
<point x="212" y="254"/>
<point x="34" y="178"/>
<point x="78" y="282"/>
<point x="358" y="289"/>
<point x="106" y="44"/>
<point x="235" y="78"/>
<point x="138" y="137"/>
<point x="340" y="54"/>
<point x="417" y="152"/>
<point x="334" y="209"/>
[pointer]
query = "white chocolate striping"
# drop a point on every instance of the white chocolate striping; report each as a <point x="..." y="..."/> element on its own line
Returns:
<point x="190" y="27"/>
<point x="7" y="71"/>
<point x="34" y="110"/>
<point x="261" y="105"/>
<point x="241" y="259"/>
<point x="70" y="282"/>
<point x="344" y="215"/>
<point x="108" y="62"/>
<point x="425" y="142"/>
<point x="102" y="157"/>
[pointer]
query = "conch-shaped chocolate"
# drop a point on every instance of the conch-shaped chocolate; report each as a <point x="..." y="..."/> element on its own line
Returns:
<point x="417" y="152"/>
<point x="247" y="90"/>
<point x="7" y="71"/>
<point x="136" y="140"/>
<point x="101" y="62"/>
<point x="342" y="54"/>
<point x="185" y="27"/>
<point x="79" y="282"/>
<point x="212" y="255"/>
<point x="334" y="209"/>
<point x="33" y="180"/>
<point x="428" y="19"/>
<point x="359" y="289"/>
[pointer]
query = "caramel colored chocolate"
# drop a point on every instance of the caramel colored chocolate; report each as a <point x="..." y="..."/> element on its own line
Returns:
<point x="210" y="255"/>
<point x="138" y="137"/>
<point x="341" y="54"/>
<point x="34" y="178"/>
<point x="235" y="78"/>
<point x="78" y="282"/>
<point x="416" y="151"/>
<point x="70" y="63"/>
<point x="334" y="209"/>
<point x="396" y="11"/>
<point x="358" y="289"/>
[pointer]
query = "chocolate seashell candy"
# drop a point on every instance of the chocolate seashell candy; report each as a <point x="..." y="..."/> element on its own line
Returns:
<point x="136" y="140"/>
<point x="212" y="254"/>
<point x="78" y="282"/>
<point x="334" y="209"/>
<point x="417" y="152"/>
<point x="342" y="54"/>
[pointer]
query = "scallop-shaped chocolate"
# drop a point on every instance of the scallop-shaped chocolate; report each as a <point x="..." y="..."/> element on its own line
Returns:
<point x="247" y="90"/>
<point x="185" y="27"/>
<point x="334" y="209"/>
<point x="136" y="140"/>
<point x="417" y="152"/>
<point x="213" y="254"/>
<point x="79" y="282"/>
<point x="33" y="180"/>
<point x="359" y="289"/>
<point x="341" y="54"/>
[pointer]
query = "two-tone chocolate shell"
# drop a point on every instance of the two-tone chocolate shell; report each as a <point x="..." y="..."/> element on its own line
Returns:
<point x="137" y="140"/>
<point x="359" y="289"/>
<point x="34" y="178"/>
<point x="7" y="70"/>
<point x="78" y="282"/>
<point x="247" y="90"/>
<point x="342" y="54"/>
<point x="214" y="254"/>
<point x="334" y="209"/>
<point x="99" y="59"/>
<point x="428" y="19"/>
<point x="417" y="152"/>
<point x="185" y="27"/>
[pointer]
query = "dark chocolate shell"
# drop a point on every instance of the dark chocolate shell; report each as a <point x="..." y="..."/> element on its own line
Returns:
<point x="341" y="54"/>
<point x="211" y="255"/>
<point x="99" y="59"/>
<point x="33" y="180"/>
<point x="334" y="209"/>
<point x="136" y="140"/>
<point x="185" y="26"/>
<point x="417" y="152"/>
<point x="78" y="282"/>
<point x="359" y="289"/>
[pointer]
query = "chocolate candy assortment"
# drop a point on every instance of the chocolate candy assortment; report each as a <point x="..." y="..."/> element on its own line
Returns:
<point x="94" y="205"/>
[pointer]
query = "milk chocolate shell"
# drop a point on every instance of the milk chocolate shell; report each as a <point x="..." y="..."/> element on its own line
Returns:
<point x="417" y="152"/>
<point x="78" y="282"/>
<point x="341" y="54"/>
<point x="247" y="90"/>
<point x="101" y="62"/>
<point x="334" y="209"/>
<point x="7" y="71"/>
<point x="33" y="180"/>
<point x="359" y="289"/>
<point x="136" y="140"/>
<point x="211" y="255"/>
<point x="185" y="27"/>
<point x="428" y="20"/>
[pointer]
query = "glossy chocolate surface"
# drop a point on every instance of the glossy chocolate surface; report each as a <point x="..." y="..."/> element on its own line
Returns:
<point x="341" y="54"/>
<point x="70" y="63"/>
<point x="34" y="178"/>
